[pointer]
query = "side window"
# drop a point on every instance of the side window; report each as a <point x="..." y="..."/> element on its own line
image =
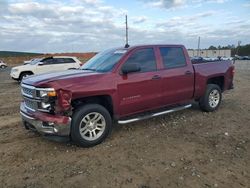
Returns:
<point x="69" y="60"/>
<point x="64" y="60"/>
<point x="145" y="58"/>
<point x="48" y="61"/>
<point x="59" y="60"/>
<point x="172" y="57"/>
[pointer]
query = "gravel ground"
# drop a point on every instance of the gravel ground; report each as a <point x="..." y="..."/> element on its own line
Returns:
<point x="184" y="149"/>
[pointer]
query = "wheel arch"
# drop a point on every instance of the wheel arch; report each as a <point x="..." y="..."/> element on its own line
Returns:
<point x="218" y="80"/>
<point x="22" y="72"/>
<point x="104" y="100"/>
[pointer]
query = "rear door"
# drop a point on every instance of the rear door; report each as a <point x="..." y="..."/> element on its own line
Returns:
<point x="65" y="63"/>
<point x="177" y="75"/>
<point x="140" y="91"/>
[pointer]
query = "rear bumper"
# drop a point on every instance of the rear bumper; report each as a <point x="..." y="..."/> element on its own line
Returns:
<point x="45" y="124"/>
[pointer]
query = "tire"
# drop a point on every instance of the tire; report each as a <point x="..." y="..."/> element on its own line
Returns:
<point x="88" y="119"/>
<point x="2" y="66"/>
<point x="23" y="75"/>
<point x="212" y="98"/>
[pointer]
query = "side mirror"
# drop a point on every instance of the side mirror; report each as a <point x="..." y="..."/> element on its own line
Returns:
<point x="128" y="68"/>
<point x="40" y="64"/>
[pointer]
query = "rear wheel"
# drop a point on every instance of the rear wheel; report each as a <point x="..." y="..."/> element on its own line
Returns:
<point x="212" y="98"/>
<point x="91" y="124"/>
<point x="2" y="66"/>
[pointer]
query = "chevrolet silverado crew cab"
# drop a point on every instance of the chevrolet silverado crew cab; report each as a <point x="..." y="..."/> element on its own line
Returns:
<point x="120" y="85"/>
<point x="44" y="65"/>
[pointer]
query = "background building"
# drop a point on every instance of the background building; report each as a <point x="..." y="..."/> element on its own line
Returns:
<point x="209" y="53"/>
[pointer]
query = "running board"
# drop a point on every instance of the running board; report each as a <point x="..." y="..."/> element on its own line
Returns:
<point x="154" y="114"/>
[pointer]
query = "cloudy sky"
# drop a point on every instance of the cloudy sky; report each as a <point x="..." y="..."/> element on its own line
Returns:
<point x="94" y="25"/>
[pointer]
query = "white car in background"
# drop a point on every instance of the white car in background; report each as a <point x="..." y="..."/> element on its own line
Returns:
<point x="224" y="58"/>
<point x="45" y="65"/>
<point x="210" y="58"/>
<point x="2" y="65"/>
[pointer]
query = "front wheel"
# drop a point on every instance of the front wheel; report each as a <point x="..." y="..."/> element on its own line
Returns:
<point x="212" y="98"/>
<point x="91" y="124"/>
<point x="24" y="75"/>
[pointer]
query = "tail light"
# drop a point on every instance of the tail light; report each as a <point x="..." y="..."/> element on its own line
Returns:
<point x="233" y="71"/>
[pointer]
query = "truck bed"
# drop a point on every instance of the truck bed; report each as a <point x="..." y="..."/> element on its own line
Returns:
<point x="206" y="70"/>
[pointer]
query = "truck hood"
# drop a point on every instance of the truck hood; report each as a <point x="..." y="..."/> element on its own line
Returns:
<point x="50" y="77"/>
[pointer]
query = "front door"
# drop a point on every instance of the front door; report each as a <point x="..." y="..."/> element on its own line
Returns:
<point x="141" y="90"/>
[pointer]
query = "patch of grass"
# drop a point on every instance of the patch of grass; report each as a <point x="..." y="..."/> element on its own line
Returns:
<point x="17" y="54"/>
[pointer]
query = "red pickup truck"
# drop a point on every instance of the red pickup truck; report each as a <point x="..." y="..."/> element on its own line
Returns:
<point x="120" y="85"/>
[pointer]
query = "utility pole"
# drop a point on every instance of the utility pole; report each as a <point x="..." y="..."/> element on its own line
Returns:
<point x="126" y="22"/>
<point x="198" y="52"/>
<point x="239" y="42"/>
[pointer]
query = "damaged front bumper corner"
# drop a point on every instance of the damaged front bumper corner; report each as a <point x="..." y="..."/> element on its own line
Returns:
<point x="45" y="124"/>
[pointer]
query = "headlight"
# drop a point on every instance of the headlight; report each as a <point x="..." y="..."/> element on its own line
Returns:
<point x="47" y="96"/>
<point x="14" y="70"/>
<point x="45" y="105"/>
<point x="47" y="93"/>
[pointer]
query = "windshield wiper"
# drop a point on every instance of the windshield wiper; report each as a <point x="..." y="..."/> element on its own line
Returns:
<point x="89" y="69"/>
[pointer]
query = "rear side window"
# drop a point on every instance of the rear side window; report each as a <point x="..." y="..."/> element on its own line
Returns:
<point x="172" y="57"/>
<point x="145" y="58"/>
<point x="69" y="60"/>
<point x="64" y="60"/>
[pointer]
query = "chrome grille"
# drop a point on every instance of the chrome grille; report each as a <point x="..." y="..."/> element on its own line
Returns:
<point x="28" y="91"/>
<point x="29" y="95"/>
<point x="32" y="100"/>
<point x="30" y="104"/>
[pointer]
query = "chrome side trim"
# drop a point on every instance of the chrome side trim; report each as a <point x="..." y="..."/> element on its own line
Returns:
<point x="154" y="114"/>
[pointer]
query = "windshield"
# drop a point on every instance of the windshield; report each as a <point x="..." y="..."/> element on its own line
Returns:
<point x="104" y="61"/>
<point x="35" y="61"/>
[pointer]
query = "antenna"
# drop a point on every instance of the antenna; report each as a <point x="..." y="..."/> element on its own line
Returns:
<point x="126" y="22"/>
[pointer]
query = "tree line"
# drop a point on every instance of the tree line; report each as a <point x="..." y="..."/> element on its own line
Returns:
<point x="243" y="50"/>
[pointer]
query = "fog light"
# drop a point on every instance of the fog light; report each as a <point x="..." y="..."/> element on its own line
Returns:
<point x="48" y="124"/>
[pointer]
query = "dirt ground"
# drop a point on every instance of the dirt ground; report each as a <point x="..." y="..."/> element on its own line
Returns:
<point x="184" y="149"/>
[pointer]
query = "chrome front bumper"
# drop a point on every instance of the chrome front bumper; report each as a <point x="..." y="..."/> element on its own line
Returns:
<point x="44" y="127"/>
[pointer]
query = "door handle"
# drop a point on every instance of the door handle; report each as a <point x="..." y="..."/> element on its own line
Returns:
<point x="188" y="73"/>
<point x="156" y="77"/>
